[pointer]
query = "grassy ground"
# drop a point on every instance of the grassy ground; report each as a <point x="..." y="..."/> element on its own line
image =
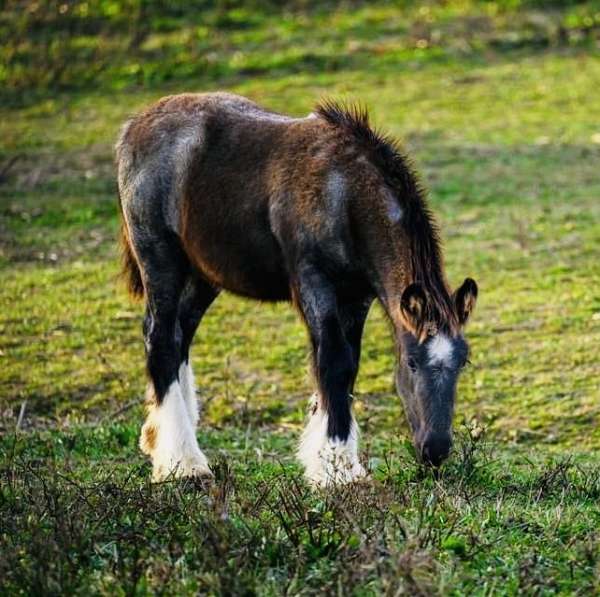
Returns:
<point x="498" y="104"/>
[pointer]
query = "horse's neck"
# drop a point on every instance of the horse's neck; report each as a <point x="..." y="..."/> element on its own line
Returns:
<point x="389" y="256"/>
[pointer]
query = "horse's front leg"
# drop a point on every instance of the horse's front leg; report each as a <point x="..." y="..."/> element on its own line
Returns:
<point x="353" y="315"/>
<point x="329" y="445"/>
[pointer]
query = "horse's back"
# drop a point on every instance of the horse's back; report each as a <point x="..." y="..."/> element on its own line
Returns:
<point x="185" y="118"/>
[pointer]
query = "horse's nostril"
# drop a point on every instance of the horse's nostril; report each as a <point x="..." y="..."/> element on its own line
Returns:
<point x="436" y="449"/>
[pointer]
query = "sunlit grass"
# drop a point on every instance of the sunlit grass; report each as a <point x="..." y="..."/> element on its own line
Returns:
<point x="506" y="133"/>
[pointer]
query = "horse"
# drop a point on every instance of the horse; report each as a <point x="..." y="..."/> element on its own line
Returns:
<point x="218" y="193"/>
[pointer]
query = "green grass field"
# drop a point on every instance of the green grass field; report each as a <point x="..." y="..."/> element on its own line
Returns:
<point x="498" y="104"/>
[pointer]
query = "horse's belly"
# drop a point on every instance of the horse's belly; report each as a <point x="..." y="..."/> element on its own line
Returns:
<point x="256" y="282"/>
<point x="244" y="262"/>
<point x="226" y="224"/>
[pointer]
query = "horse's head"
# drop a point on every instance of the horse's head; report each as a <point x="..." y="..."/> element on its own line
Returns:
<point x="429" y="364"/>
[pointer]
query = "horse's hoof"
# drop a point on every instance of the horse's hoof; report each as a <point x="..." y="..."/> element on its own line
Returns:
<point x="337" y="475"/>
<point x="183" y="469"/>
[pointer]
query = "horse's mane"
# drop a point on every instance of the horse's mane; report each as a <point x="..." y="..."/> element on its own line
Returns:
<point x="425" y="245"/>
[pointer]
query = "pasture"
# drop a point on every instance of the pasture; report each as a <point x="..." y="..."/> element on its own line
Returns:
<point x="498" y="104"/>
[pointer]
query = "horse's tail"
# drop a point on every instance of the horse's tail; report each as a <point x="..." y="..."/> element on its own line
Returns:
<point x="130" y="270"/>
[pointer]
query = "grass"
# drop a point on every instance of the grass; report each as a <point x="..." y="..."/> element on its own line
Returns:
<point x="498" y="104"/>
<point x="490" y="523"/>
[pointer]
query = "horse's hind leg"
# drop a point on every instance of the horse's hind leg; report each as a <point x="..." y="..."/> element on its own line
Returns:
<point x="168" y="435"/>
<point x="197" y="297"/>
<point x="329" y="446"/>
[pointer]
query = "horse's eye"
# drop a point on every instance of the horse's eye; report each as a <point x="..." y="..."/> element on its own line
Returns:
<point x="412" y="364"/>
<point x="464" y="363"/>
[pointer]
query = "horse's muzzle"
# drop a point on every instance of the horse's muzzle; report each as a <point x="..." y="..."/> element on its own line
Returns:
<point x="436" y="448"/>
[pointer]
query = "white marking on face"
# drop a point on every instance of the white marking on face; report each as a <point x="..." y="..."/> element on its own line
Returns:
<point x="328" y="461"/>
<point x="440" y="350"/>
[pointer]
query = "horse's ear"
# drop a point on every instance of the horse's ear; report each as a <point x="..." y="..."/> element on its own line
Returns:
<point x="413" y="306"/>
<point x="465" y="298"/>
